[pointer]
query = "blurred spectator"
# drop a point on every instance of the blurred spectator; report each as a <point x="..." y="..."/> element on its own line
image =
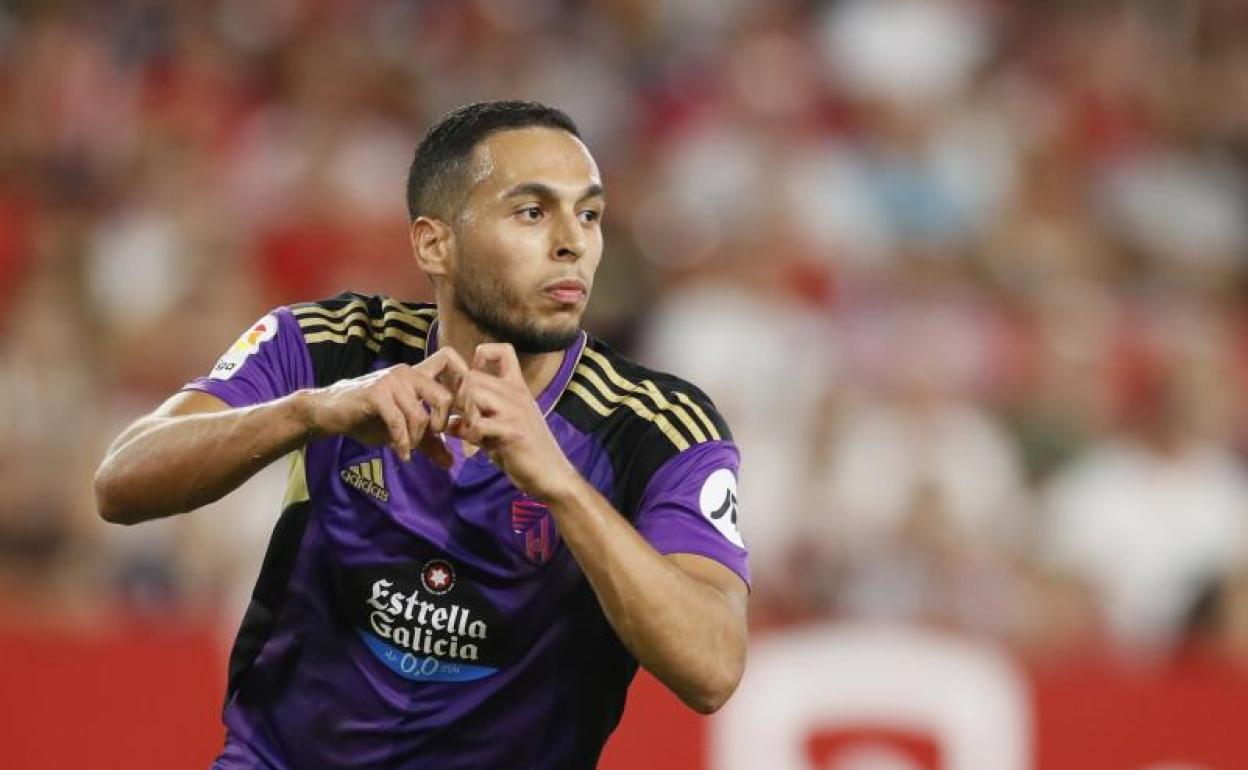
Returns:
<point x="1153" y="515"/>
<point x="966" y="276"/>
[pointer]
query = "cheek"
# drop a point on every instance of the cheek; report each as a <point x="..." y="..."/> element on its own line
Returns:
<point x="507" y="245"/>
<point x="593" y="254"/>
<point x="493" y="262"/>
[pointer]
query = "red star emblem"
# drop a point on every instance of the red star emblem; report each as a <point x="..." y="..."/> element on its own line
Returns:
<point x="438" y="576"/>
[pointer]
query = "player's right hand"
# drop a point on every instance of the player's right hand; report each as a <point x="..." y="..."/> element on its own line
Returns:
<point x="404" y="406"/>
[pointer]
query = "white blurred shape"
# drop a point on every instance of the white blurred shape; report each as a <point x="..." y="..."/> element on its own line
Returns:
<point x="904" y="50"/>
<point x="1181" y="207"/>
<point x="719" y="167"/>
<point x="371" y="150"/>
<point x="1148" y="531"/>
<point x="973" y="156"/>
<point x="834" y="206"/>
<point x="957" y="449"/>
<point x="270" y="166"/>
<point x="969" y="698"/>
<point x="137" y="267"/>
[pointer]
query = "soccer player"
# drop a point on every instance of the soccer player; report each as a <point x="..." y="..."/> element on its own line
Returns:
<point x="492" y="517"/>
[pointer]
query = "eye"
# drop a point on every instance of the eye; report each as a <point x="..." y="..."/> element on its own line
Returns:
<point x="530" y="213"/>
<point x="590" y="215"/>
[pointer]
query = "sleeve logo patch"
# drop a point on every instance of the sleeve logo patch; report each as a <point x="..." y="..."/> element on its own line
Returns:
<point x="249" y="343"/>
<point x="718" y="503"/>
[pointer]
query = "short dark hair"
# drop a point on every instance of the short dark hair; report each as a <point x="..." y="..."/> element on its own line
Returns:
<point x="441" y="162"/>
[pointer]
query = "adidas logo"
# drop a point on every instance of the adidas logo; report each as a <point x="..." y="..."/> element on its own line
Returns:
<point x="368" y="478"/>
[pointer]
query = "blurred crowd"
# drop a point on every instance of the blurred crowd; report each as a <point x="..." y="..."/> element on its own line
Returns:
<point x="967" y="277"/>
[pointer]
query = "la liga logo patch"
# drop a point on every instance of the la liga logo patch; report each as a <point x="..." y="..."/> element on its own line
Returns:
<point x="260" y="332"/>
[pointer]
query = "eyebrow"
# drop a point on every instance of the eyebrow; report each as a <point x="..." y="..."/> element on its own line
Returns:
<point x="540" y="190"/>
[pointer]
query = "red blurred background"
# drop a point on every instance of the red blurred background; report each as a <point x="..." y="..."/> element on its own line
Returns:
<point x="967" y="278"/>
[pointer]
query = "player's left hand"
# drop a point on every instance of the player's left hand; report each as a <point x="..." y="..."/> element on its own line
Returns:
<point x="494" y="410"/>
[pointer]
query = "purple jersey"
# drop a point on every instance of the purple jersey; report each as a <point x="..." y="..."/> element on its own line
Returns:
<point x="412" y="617"/>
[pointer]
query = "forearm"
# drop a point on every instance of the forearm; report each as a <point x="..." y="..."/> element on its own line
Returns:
<point x="172" y="464"/>
<point x="683" y="630"/>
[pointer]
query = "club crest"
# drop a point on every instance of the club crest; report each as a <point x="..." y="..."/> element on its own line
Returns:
<point x="533" y="526"/>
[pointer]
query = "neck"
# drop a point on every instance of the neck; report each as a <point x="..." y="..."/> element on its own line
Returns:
<point x="455" y="330"/>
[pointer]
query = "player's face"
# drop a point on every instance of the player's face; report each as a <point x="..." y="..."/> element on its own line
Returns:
<point x="528" y="238"/>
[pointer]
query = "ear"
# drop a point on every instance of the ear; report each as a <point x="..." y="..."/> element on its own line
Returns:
<point x="433" y="244"/>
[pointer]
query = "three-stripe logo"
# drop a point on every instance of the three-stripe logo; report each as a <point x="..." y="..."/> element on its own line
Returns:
<point x="368" y="477"/>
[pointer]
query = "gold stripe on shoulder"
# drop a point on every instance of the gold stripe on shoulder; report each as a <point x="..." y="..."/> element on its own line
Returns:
<point x="377" y="326"/>
<point x="592" y="377"/>
<point x="353" y="320"/>
<point x="605" y="363"/>
<point x="351" y="305"/>
<point x="589" y="398"/>
<point x="354" y="305"/>
<point x="680" y="412"/>
<point x="702" y="416"/>
<point x="409" y="339"/>
<point x="341" y="325"/>
<point x="402" y="309"/>
<point x="338" y="321"/>
<point x="369" y="337"/>
<point x="632" y="402"/>
<point x="653" y="391"/>
<point x="425" y="311"/>
<point x="355" y="331"/>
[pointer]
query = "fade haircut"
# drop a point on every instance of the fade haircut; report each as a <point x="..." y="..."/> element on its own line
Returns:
<point x="443" y="158"/>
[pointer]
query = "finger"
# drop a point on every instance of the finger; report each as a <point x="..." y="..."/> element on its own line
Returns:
<point x="463" y="405"/>
<point x="482" y="432"/>
<point x="396" y="424"/>
<point x="480" y="395"/>
<point x="414" y="415"/>
<point x="446" y="366"/>
<point x="435" y="398"/>
<point x="439" y="400"/>
<point x="432" y="446"/>
<point x="499" y="359"/>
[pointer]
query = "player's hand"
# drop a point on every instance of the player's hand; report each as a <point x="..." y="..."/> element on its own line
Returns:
<point x="404" y="406"/>
<point x="494" y="409"/>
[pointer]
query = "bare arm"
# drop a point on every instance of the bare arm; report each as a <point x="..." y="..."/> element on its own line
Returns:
<point x="682" y="616"/>
<point x="195" y="449"/>
<point x="192" y="450"/>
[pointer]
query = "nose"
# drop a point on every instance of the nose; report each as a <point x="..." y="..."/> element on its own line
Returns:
<point x="569" y="238"/>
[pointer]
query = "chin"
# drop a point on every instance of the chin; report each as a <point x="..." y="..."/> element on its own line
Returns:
<point x="546" y="338"/>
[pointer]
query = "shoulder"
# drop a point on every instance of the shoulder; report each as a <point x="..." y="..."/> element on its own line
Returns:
<point x="607" y="388"/>
<point x="346" y="334"/>
<point x="642" y="418"/>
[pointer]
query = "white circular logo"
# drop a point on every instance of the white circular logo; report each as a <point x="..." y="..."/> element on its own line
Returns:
<point x="718" y="503"/>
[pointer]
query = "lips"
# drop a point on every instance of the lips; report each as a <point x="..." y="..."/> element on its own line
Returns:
<point x="566" y="291"/>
